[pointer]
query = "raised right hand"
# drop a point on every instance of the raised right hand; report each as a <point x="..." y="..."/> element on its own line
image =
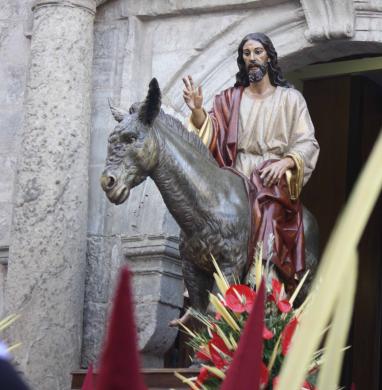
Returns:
<point x="191" y="95"/>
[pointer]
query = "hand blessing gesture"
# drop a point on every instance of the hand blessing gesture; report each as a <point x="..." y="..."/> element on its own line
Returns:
<point x="192" y="96"/>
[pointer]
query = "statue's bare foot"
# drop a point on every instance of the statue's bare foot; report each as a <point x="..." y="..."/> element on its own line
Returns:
<point x="182" y="320"/>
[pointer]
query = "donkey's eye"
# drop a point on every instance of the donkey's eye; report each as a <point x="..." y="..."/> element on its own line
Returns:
<point x="113" y="138"/>
<point x="128" y="138"/>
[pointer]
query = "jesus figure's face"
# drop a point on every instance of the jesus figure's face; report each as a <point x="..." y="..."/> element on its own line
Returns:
<point x="255" y="58"/>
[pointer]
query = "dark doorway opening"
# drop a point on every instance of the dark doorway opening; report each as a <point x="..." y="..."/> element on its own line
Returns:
<point x="347" y="114"/>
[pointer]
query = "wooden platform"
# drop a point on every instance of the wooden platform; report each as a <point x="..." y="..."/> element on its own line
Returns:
<point x="155" y="378"/>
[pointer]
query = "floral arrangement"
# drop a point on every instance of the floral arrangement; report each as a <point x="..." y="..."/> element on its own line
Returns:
<point x="215" y="345"/>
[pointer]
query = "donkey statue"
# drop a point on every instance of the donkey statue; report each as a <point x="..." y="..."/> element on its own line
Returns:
<point x="209" y="204"/>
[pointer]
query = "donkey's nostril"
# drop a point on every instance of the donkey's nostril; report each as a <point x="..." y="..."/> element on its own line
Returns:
<point x="110" y="182"/>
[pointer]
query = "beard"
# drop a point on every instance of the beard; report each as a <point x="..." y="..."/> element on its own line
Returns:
<point x="256" y="74"/>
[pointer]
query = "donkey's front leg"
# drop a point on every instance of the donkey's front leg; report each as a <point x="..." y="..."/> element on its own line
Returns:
<point x="204" y="284"/>
<point x="198" y="284"/>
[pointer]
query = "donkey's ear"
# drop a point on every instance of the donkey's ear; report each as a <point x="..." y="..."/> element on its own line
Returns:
<point x="118" y="113"/>
<point x="151" y="107"/>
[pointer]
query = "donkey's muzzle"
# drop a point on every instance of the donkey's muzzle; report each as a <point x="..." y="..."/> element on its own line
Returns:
<point x="116" y="193"/>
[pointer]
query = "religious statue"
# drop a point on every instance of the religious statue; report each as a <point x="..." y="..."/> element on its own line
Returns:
<point x="261" y="128"/>
<point x="218" y="210"/>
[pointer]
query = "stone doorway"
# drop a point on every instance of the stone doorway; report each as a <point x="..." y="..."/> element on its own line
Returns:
<point x="346" y="111"/>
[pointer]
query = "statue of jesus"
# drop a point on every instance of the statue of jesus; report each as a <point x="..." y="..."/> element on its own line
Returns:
<point x="261" y="129"/>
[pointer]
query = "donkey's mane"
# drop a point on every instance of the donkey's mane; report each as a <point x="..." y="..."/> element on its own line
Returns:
<point x="176" y="126"/>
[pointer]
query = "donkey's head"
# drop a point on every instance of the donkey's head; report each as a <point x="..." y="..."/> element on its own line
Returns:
<point x="132" y="147"/>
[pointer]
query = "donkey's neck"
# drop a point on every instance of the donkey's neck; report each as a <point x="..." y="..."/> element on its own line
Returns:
<point x="188" y="180"/>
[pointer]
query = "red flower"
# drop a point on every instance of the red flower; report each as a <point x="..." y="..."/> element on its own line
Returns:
<point x="203" y="375"/>
<point x="283" y="304"/>
<point x="264" y="376"/>
<point x="240" y="298"/>
<point x="308" y="386"/>
<point x="216" y="345"/>
<point x="202" y="354"/>
<point x="218" y="316"/>
<point x="287" y="335"/>
<point x="267" y="334"/>
<point x="275" y="382"/>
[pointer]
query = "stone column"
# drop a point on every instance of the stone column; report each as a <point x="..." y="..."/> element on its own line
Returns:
<point x="48" y="239"/>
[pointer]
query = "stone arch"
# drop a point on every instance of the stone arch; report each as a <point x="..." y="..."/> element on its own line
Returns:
<point x="296" y="27"/>
<point x="298" y="41"/>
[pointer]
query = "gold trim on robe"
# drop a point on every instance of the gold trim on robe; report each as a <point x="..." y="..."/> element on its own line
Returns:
<point x="295" y="176"/>
<point x="205" y="132"/>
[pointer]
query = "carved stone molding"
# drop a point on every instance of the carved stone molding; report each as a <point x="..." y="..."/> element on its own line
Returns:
<point x="158" y="291"/>
<point x="146" y="245"/>
<point x="89" y="5"/>
<point x="152" y="9"/>
<point x="329" y="19"/>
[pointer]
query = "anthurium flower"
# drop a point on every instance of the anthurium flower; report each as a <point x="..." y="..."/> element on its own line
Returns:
<point x="283" y="304"/>
<point x="203" y="353"/>
<point x="287" y="334"/>
<point x="218" y="316"/>
<point x="219" y="342"/>
<point x="267" y="334"/>
<point x="240" y="298"/>
<point x="203" y="375"/>
<point x="275" y="382"/>
<point x="219" y="351"/>
<point x="307" y="386"/>
<point x="264" y="376"/>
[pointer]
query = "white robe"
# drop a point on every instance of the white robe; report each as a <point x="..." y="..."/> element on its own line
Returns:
<point x="273" y="127"/>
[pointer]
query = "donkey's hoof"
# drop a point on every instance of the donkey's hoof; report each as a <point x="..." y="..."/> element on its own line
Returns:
<point x="174" y="323"/>
<point x="181" y="321"/>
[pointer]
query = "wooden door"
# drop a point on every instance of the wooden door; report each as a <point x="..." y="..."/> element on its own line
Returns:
<point x="347" y="114"/>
